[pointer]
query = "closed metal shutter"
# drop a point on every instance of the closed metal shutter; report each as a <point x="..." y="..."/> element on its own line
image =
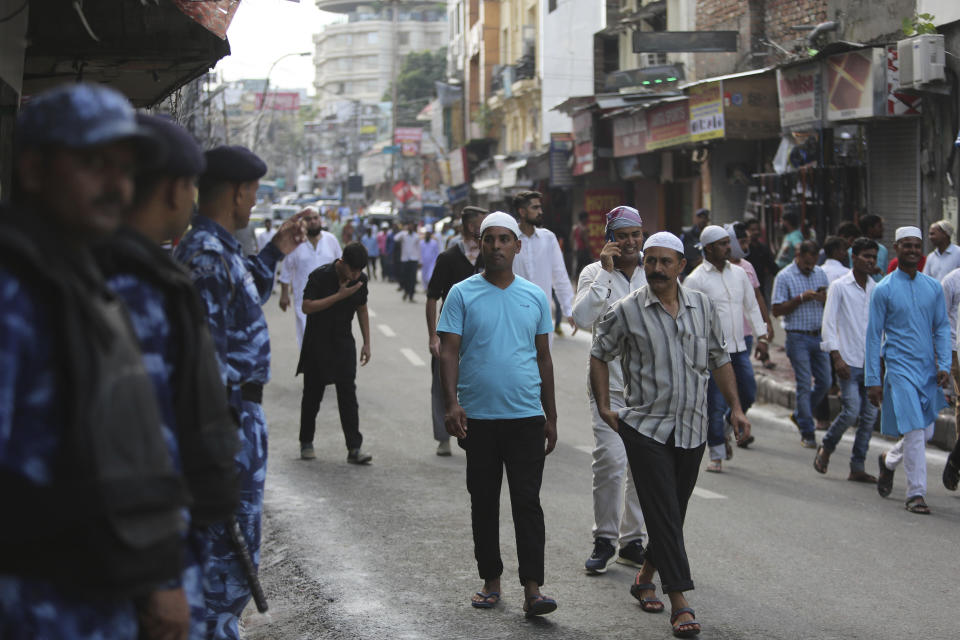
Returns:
<point x="893" y="169"/>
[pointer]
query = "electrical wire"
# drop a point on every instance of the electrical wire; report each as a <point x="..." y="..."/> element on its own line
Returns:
<point x="15" y="13"/>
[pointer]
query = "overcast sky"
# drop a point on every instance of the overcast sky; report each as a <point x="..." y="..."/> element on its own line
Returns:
<point x="264" y="30"/>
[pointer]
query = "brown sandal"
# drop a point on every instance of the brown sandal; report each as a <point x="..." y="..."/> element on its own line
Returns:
<point x="917" y="504"/>
<point x="821" y="461"/>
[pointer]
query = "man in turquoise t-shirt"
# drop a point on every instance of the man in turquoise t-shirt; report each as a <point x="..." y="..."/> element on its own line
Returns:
<point x="497" y="379"/>
<point x="792" y="238"/>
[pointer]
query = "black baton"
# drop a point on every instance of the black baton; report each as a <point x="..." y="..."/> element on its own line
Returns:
<point x="240" y="546"/>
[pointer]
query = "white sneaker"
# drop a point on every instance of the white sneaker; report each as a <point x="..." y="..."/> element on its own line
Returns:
<point x="443" y="449"/>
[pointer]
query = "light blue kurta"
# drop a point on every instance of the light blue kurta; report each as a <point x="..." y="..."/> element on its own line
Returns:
<point x="909" y="329"/>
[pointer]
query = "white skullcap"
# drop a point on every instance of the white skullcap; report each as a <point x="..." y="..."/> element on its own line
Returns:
<point x="712" y="233"/>
<point x="908" y="232"/>
<point x="735" y="251"/>
<point x="500" y="219"/>
<point x="946" y="226"/>
<point x="663" y="239"/>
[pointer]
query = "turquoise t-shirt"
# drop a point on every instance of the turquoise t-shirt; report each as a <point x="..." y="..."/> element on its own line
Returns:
<point x="499" y="376"/>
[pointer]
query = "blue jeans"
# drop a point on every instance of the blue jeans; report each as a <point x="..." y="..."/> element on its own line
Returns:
<point x="717" y="408"/>
<point x="808" y="360"/>
<point x="855" y="405"/>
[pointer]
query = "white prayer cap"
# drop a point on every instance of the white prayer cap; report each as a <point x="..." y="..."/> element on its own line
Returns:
<point x="663" y="239"/>
<point x="711" y="234"/>
<point x="908" y="232"/>
<point x="500" y="219"/>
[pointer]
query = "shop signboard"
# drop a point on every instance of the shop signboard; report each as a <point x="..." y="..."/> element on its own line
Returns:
<point x="668" y="125"/>
<point x="856" y="84"/>
<point x="898" y="103"/>
<point x="800" y="92"/>
<point x="278" y="101"/>
<point x="583" y="143"/>
<point x="561" y="146"/>
<point x="706" y="111"/>
<point x="409" y="140"/>
<point x="457" y="160"/>
<point x="597" y="202"/>
<point x="630" y="135"/>
<point x="750" y="109"/>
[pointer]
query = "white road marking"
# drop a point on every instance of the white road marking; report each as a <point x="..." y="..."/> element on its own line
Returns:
<point x="371" y="313"/>
<point x="781" y="417"/>
<point x="697" y="491"/>
<point x="707" y="494"/>
<point x="412" y="356"/>
<point x="387" y="331"/>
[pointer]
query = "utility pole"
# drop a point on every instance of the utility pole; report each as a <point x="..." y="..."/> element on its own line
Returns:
<point x="394" y="54"/>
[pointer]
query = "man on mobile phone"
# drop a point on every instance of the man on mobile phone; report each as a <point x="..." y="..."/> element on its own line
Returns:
<point x="334" y="293"/>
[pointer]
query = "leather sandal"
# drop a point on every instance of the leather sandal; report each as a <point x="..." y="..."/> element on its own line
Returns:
<point x="917" y="504"/>
<point x="821" y="460"/>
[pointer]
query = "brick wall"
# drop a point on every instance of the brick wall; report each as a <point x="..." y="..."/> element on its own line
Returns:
<point x="780" y="15"/>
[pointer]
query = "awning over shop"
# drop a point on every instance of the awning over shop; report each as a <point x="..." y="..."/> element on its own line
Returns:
<point x="515" y="175"/>
<point x="486" y="185"/>
<point x="144" y="50"/>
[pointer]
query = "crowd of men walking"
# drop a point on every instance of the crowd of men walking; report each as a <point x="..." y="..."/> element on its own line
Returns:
<point x="133" y="442"/>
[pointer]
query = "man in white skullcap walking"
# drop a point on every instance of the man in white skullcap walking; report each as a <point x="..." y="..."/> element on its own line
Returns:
<point x="668" y="339"/>
<point x="907" y="310"/>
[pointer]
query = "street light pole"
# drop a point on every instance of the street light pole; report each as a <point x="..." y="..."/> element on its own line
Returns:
<point x="263" y="101"/>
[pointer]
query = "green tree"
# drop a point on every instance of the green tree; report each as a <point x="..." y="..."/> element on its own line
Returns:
<point x="415" y="80"/>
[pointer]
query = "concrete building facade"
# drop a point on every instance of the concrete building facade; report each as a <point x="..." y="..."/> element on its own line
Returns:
<point x="354" y="57"/>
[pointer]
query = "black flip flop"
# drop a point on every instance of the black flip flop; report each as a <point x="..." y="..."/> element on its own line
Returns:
<point x="951" y="475"/>
<point x="539" y="605"/>
<point x="885" y="480"/>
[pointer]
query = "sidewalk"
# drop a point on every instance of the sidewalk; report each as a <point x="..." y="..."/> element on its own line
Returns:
<point x="777" y="386"/>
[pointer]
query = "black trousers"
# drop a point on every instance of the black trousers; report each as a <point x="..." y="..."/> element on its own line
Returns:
<point x="665" y="476"/>
<point x="408" y="276"/>
<point x="313" y="387"/>
<point x="516" y="445"/>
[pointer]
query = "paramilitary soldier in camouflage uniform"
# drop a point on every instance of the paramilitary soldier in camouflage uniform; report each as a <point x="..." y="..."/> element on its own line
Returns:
<point x="170" y="322"/>
<point x="91" y="500"/>
<point x="233" y="287"/>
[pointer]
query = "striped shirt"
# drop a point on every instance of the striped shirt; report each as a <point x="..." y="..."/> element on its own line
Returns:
<point x="666" y="362"/>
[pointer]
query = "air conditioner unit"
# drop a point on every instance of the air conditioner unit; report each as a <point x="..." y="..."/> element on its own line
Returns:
<point x="922" y="60"/>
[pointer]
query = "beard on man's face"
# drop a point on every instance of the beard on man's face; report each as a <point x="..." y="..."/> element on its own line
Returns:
<point x="313" y="232"/>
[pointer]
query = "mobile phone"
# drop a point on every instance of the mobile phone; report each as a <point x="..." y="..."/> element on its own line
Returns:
<point x="610" y="236"/>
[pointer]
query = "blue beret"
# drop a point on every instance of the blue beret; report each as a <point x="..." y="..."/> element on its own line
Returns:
<point x="234" y="164"/>
<point x="183" y="156"/>
<point x="80" y="115"/>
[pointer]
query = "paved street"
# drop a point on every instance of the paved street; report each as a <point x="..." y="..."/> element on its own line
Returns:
<point x="385" y="551"/>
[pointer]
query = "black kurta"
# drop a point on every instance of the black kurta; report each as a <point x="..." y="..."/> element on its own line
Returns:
<point x="329" y="350"/>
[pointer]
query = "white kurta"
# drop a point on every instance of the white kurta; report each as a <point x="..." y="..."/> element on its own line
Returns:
<point x="541" y="262"/>
<point x="297" y="268"/>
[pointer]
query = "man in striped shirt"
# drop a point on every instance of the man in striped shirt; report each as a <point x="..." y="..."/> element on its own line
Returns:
<point x="669" y="340"/>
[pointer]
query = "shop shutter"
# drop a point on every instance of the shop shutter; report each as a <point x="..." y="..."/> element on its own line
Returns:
<point x="893" y="169"/>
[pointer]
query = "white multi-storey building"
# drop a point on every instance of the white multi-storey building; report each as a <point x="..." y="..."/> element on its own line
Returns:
<point x="354" y="56"/>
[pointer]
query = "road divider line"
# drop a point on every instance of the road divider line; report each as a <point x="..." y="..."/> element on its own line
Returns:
<point x="697" y="491"/>
<point x="412" y="356"/>
<point x="387" y="331"/>
<point x="706" y="494"/>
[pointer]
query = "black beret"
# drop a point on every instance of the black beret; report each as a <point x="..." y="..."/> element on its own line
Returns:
<point x="234" y="164"/>
<point x="183" y="156"/>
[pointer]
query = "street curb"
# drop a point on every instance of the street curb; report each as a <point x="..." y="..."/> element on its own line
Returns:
<point x="773" y="391"/>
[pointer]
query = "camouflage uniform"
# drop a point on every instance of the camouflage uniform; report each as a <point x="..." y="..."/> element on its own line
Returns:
<point x="146" y="307"/>
<point x="29" y="439"/>
<point x="233" y="288"/>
